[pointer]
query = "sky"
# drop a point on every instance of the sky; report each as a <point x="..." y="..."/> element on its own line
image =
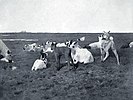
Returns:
<point x="66" y="15"/>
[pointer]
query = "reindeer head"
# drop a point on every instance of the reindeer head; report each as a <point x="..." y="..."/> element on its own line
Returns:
<point x="100" y="38"/>
<point x="8" y="56"/>
<point x="68" y="43"/>
<point x="106" y="35"/>
<point x="73" y="45"/>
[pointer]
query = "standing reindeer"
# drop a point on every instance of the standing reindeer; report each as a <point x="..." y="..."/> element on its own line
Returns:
<point x="104" y="44"/>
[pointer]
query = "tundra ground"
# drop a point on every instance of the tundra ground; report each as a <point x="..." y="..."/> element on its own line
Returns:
<point x="96" y="81"/>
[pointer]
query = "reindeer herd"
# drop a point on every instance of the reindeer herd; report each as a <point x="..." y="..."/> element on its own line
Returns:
<point x="71" y="50"/>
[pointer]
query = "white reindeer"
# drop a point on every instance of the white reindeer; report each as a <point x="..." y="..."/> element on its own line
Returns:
<point x="33" y="47"/>
<point x="79" y="54"/>
<point x="39" y="64"/>
<point x="104" y="45"/>
<point x="5" y="52"/>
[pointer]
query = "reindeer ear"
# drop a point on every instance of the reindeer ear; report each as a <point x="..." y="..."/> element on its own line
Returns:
<point x="75" y="43"/>
<point x="53" y="43"/>
<point x="104" y="32"/>
<point x="98" y="35"/>
<point x="47" y="42"/>
<point x="41" y="51"/>
<point x="71" y="42"/>
<point x="8" y="52"/>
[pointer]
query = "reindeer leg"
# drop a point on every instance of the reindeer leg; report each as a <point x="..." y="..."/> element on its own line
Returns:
<point x="106" y="56"/>
<point x="57" y="58"/>
<point x="116" y="55"/>
<point x="102" y="54"/>
<point x="75" y="62"/>
<point x="67" y="58"/>
<point x="58" y="63"/>
<point x="115" y="52"/>
<point x="106" y="49"/>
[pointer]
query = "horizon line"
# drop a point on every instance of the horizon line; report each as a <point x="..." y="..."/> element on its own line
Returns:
<point x="26" y="32"/>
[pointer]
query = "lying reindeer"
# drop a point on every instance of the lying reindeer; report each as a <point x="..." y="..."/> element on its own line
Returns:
<point x="128" y="45"/>
<point x="40" y="63"/>
<point x="80" y="55"/>
<point x="5" y="53"/>
<point x="33" y="47"/>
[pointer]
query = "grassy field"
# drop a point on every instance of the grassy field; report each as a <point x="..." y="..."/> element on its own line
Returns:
<point x="96" y="81"/>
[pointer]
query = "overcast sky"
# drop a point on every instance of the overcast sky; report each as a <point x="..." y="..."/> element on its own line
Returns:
<point x="66" y="15"/>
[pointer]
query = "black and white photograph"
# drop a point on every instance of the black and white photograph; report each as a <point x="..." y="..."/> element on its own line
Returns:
<point x="66" y="49"/>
